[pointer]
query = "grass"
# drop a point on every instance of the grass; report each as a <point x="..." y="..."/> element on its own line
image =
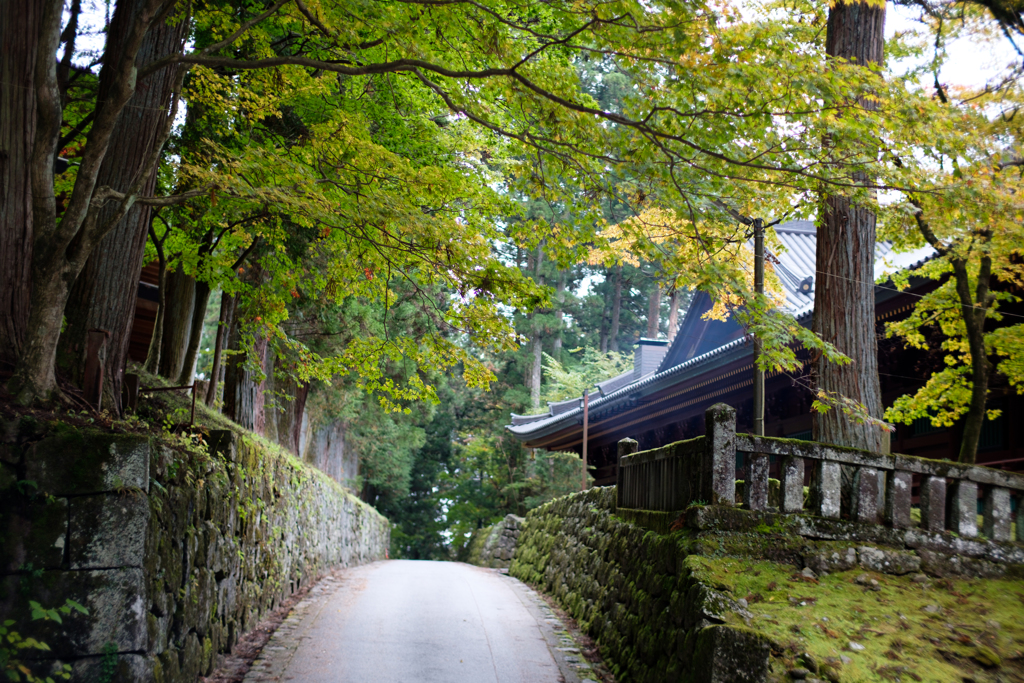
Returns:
<point x="901" y="640"/>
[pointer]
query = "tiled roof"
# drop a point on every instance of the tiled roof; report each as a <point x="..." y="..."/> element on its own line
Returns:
<point x="796" y="263"/>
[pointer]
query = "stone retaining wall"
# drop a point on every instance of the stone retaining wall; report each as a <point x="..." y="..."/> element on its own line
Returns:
<point x="643" y="596"/>
<point x="175" y="554"/>
<point x="494" y="546"/>
<point x="639" y="582"/>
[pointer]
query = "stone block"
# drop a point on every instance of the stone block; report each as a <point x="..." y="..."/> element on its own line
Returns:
<point x="888" y="561"/>
<point x="727" y="654"/>
<point x="720" y="468"/>
<point x="837" y="560"/>
<point x="825" y="489"/>
<point x="78" y="463"/>
<point x="108" y="530"/>
<point x="997" y="514"/>
<point x="866" y="486"/>
<point x="963" y="508"/>
<point x="933" y="503"/>
<point x="755" y="491"/>
<point x="792" y="486"/>
<point x="898" y="499"/>
<point x="33" y="532"/>
<point x="115" y="599"/>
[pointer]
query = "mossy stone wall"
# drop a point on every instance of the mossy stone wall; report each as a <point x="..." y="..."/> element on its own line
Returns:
<point x="174" y="554"/>
<point x="493" y="546"/>
<point x="644" y="596"/>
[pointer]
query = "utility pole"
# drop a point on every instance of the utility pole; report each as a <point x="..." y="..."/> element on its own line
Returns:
<point x="586" y="418"/>
<point x="759" y="293"/>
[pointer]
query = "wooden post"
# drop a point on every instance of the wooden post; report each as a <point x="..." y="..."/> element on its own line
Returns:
<point x="586" y="417"/>
<point x="758" y="292"/>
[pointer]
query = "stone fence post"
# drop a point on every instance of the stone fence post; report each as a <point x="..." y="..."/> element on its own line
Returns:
<point x="719" y="471"/>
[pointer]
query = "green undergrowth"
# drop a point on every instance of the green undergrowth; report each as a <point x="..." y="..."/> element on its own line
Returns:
<point x="910" y="630"/>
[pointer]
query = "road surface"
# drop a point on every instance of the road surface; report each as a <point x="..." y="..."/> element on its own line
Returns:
<point x="418" y="622"/>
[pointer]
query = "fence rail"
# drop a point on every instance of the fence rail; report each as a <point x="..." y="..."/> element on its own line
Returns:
<point x="703" y="471"/>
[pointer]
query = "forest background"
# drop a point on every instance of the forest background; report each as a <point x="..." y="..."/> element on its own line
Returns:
<point x="404" y="222"/>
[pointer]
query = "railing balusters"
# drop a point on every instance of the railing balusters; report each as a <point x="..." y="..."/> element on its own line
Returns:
<point x="755" y="490"/>
<point x="825" y="489"/>
<point x="933" y="503"/>
<point x="792" y="485"/>
<point x="997" y="514"/>
<point x="865" y="495"/>
<point x="898" y="498"/>
<point x="703" y="470"/>
<point x="963" y="508"/>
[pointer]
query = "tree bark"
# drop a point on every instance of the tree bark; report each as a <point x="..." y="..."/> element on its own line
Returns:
<point x="104" y="294"/>
<point x="195" y="337"/>
<point x="974" y="312"/>
<point x="613" y="332"/>
<point x="20" y="22"/>
<point x="180" y="300"/>
<point x="227" y="307"/>
<point x="673" y="315"/>
<point x="244" y="398"/>
<point x="156" y="340"/>
<point x="60" y="250"/>
<point x="654" y="312"/>
<point x="844" y="301"/>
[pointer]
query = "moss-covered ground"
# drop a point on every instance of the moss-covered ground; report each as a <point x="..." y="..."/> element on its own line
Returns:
<point x="865" y="626"/>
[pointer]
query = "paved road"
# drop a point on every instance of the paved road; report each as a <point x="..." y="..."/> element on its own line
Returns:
<point x="417" y="622"/>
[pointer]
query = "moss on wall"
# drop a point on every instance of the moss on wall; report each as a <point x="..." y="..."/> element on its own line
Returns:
<point x="739" y="596"/>
<point x="175" y="553"/>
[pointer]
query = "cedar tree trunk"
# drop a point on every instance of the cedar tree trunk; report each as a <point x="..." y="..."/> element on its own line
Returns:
<point x="103" y="296"/>
<point x="654" y="312"/>
<point x="20" y="22"/>
<point x="180" y="299"/>
<point x="844" y="301"/>
<point x="60" y="250"/>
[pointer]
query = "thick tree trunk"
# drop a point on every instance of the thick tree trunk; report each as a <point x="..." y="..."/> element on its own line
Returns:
<point x="180" y="300"/>
<point x="60" y="250"/>
<point x="844" y="301"/>
<point x="654" y="312"/>
<point x="613" y="332"/>
<point x="104" y="294"/>
<point x="244" y="397"/>
<point x="20" y="22"/>
<point x="195" y="337"/>
<point x="673" y="315"/>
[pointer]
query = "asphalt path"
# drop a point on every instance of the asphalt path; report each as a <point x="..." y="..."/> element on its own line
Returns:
<point x="427" y="622"/>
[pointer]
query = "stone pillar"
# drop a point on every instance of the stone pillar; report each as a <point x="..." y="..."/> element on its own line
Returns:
<point x="826" y="489"/>
<point x="933" y="503"/>
<point x="792" y="484"/>
<point x="897" y="499"/>
<point x="865" y="495"/>
<point x="997" y="514"/>
<point x="963" y="509"/>
<point x="626" y="447"/>
<point x="719" y="475"/>
<point x="755" y="489"/>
